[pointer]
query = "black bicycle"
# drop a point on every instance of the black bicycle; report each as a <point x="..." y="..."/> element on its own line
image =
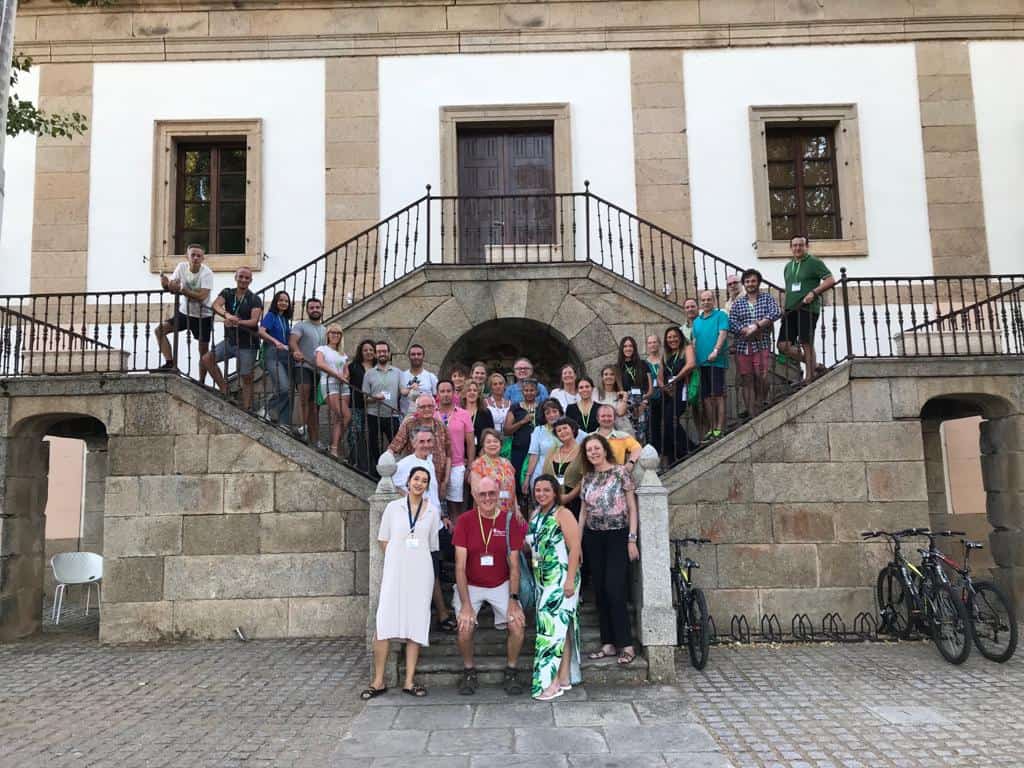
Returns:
<point x="993" y="619"/>
<point x="920" y="597"/>
<point x="692" y="620"/>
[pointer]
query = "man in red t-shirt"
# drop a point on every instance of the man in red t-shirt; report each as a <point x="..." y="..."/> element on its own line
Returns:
<point x="485" y="565"/>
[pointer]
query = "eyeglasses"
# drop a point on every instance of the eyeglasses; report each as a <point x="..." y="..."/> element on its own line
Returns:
<point x="486" y="494"/>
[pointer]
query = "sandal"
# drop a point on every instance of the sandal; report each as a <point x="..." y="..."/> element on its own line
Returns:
<point x="372" y="693"/>
<point x="541" y="697"/>
<point x="626" y="658"/>
<point x="417" y="690"/>
<point x="448" y="625"/>
<point x="600" y="653"/>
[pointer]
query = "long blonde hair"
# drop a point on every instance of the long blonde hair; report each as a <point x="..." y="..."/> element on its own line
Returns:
<point x="335" y="328"/>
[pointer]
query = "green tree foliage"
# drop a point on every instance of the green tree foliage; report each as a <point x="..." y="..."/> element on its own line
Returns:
<point x="24" y="117"/>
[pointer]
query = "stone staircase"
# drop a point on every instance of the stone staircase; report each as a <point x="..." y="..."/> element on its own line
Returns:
<point x="440" y="664"/>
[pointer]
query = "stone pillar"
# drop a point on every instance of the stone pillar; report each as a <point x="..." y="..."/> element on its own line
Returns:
<point x="1002" y="470"/>
<point x="657" y="627"/>
<point x="384" y="494"/>
<point x="934" y="467"/>
<point x="22" y="543"/>
<point x="95" y="494"/>
<point x="951" y="166"/>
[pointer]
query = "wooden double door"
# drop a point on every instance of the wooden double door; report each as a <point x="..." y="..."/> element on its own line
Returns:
<point x="495" y="163"/>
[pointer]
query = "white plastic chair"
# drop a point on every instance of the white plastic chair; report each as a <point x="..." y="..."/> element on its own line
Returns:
<point x="76" y="568"/>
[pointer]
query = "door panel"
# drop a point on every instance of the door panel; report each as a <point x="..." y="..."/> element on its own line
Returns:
<point x="504" y="161"/>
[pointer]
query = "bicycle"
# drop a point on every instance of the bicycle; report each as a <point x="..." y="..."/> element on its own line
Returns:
<point x="993" y="618"/>
<point x="912" y="597"/>
<point x="692" y="619"/>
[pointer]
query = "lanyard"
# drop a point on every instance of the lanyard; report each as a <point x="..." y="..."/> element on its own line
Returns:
<point x="413" y="520"/>
<point x="586" y="419"/>
<point x="485" y="539"/>
<point x="631" y="373"/>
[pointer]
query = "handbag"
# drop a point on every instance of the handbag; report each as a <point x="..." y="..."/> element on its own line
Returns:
<point x="527" y="586"/>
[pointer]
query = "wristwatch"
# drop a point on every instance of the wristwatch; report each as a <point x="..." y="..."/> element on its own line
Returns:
<point x="632" y="537"/>
<point x="515" y="596"/>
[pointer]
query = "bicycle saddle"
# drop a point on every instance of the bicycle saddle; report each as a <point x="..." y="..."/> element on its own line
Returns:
<point x="688" y="563"/>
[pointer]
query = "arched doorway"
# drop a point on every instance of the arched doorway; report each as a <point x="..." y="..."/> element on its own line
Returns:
<point x="499" y="342"/>
<point x="975" y="488"/>
<point x="27" y="475"/>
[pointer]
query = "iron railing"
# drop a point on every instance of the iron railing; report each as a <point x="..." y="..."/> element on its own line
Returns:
<point x="872" y="317"/>
<point x="560" y="228"/>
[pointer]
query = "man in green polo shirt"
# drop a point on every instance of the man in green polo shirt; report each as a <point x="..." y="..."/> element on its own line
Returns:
<point x="806" y="278"/>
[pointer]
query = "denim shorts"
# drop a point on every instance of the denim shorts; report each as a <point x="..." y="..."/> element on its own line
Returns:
<point x="227" y="349"/>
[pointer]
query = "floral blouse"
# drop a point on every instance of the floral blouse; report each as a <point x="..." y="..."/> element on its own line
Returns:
<point x="501" y="471"/>
<point x="604" y="493"/>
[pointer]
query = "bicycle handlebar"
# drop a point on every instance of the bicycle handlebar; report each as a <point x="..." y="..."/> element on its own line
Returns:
<point x="693" y="540"/>
<point x="895" y="534"/>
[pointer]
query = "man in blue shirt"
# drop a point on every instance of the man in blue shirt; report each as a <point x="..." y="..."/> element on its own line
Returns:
<point x="710" y="332"/>
<point x="523" y="369"/>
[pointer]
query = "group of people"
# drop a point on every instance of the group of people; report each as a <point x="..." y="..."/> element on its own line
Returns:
<point x="493" y="543"/>
<point x="548" y="472"/>
<point x="649" y="389"/>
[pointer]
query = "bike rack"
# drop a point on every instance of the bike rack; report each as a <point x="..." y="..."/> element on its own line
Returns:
<point x="833" y="629"/>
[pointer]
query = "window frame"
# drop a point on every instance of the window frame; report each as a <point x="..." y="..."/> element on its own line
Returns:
<point x="169" y="135"/>
<point x="849" y="183"/>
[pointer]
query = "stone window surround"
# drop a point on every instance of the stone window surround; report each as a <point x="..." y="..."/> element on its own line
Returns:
<point x="557" y="113"/>
<point x="164" y="256"/>
<point x="848" y="165"/>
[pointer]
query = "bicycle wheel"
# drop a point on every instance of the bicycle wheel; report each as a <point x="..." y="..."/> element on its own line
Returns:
<point x="681" y="611"/>
<point x="699" y="633"/>
<point x="950" y="624"/>
<point x="994" y="622"/>
<point x="894" y="603"/>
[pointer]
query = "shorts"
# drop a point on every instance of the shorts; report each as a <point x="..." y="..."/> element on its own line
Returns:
<point x="455" y="485"/>
<point x="200" y="327"/>
<point x="712" y="381"/>
<point x="496" y="597"/>
<point x="798" y="325"/>
<point x="304" y="376"/>
<point x="227" y="349"/>
<point x="758" y="363"/>
<point x="333" y="386"/>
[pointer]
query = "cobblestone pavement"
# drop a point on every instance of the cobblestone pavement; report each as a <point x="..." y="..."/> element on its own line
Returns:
<point x="66" y="701"/>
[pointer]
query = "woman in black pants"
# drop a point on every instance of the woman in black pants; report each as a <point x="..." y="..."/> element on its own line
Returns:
<point x="608" y="517"/>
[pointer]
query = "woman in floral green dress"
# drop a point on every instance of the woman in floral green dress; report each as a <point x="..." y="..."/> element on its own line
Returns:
<point x="554" y="538"/>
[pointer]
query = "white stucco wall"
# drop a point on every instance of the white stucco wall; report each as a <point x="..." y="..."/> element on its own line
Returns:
<point x="127" y="98"/>
<point x="996" y="69"/>
<point x="881" y="80"/>
<point x="20" y="168"/>
<point x="595" y="85"/>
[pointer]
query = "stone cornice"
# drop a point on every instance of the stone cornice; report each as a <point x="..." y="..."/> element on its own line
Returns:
<point x="221" y="29"/>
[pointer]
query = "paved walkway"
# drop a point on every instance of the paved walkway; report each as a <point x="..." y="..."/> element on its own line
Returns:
<point x="65" y="701"/>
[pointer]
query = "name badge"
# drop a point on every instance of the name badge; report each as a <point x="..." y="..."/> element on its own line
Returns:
<point x="412" y="543"/>
<point x="795" y="287"/>
<point x="387" y="396"/>
<point x="487" y="560"/>
<point x="503" y="495"/>
<point x="635" y="392"/>
<point x="560" y="479"/>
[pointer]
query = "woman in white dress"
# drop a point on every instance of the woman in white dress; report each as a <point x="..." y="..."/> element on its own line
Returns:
<point x="408" y="534"/>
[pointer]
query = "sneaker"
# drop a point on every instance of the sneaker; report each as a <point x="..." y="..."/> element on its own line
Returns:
<point x="716" y="433"/>
<point x="469" y="683"/>
<point x="709" y="436"/>
<point x="168" y="366"/>
<point x="512" y="685"/>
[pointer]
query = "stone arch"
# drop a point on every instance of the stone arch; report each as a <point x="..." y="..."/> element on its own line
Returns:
<point x="499" y="342"/>
<point x="1001" y="447"/>
<point x="24" y="479"/>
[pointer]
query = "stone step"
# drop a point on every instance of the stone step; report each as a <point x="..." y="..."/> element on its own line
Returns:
<point x="489" y="641"/>
<point x="444" y="672"/>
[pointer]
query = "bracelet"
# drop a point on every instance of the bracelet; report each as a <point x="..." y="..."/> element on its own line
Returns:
<point x="632" y="538"/>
